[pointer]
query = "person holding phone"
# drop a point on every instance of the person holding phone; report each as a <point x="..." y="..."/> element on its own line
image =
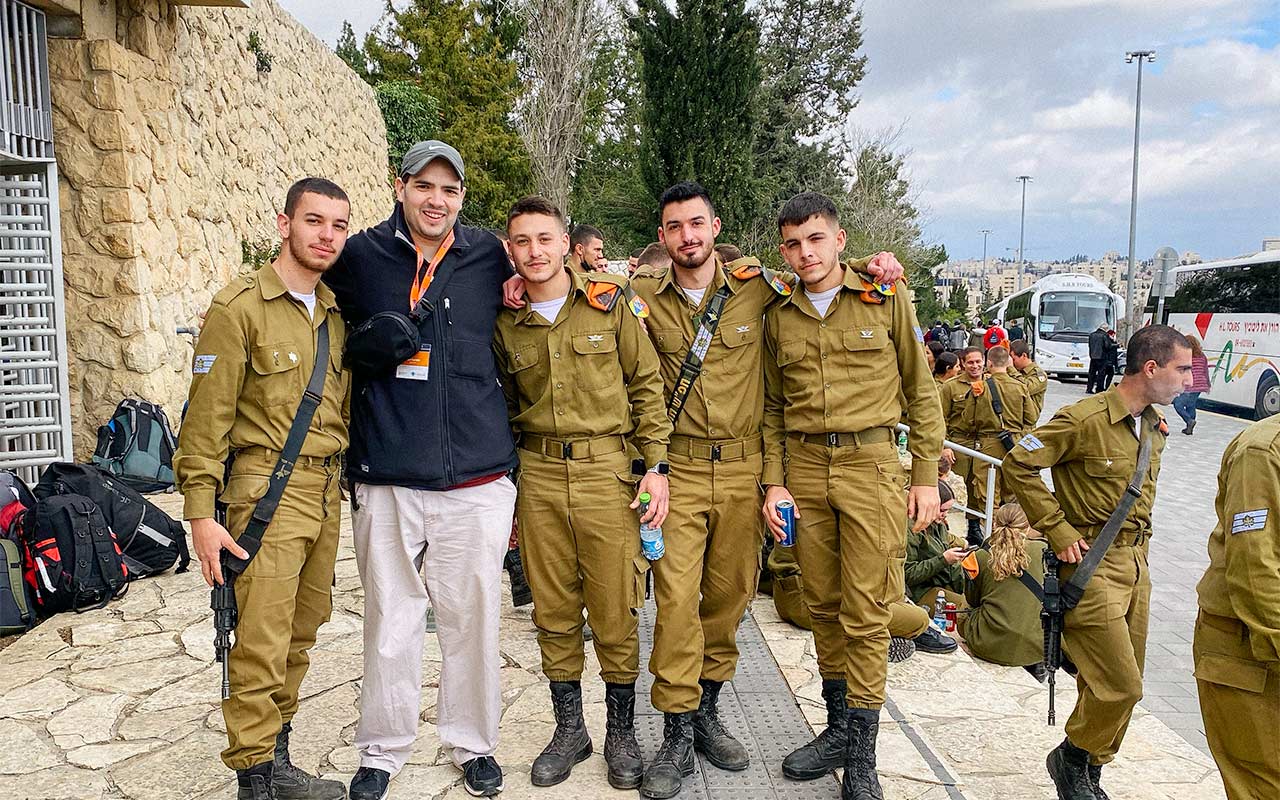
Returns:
<point x="933" y="558"/>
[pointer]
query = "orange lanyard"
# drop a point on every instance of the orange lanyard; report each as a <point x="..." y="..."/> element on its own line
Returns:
<point x="421" y="279"/>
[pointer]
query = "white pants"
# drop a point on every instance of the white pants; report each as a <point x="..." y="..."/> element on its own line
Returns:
<point x="460" y="536"/>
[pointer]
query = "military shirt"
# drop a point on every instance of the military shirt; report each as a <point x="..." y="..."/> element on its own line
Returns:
<point x="970" y="413"/>
<point x="1091" y="449"/>
<point x="586" y="373"/>
<point x="726" y="400"/>
<point x="925" y="567"/>
<point x="848" y="372"/>
<point x="1243" y="578"/>
<point x="252" y="363"/>
<point x="1004" y="623"/>
<point x="1036" y="381"/>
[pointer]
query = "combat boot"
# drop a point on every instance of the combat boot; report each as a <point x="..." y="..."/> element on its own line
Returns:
<point x="255" y="783"/>
<point x="1068" y="765"/>
<point x="570" y="743"/>
<point x="621" y="750"/>
<point x="860" y="779"/>
<point x="826" y="752"/>
<point x="292" y="783"/>
<point x="674" y="760"/>
<point x="1095" y="781"/>
<point x="711" y="738"/>
<point x="974" y="537"/>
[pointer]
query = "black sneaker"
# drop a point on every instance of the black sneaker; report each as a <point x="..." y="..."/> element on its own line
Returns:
<point x="482" y="777"/>
<point x="931" y="641"/>
<point x="369" y="783"/>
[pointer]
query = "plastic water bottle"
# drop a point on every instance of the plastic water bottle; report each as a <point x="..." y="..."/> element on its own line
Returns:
<point x="902" y="444"/>
<point x="650" y="535"/>
<point x="940" y="611"/>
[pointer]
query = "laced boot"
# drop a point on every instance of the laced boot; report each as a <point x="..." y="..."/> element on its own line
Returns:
<point x="255" y="783"/>
<point x="1069" y="767"/>
<point x="621" y="750"/>
<point x="860" y="779"/>
<point x="294" y="783"/>
<point x="826" y="752"/>
<point x="1095" y="774"/>
<point x="674" y="760"/>
<point x="570" y="743"/>
<point x="711" y="737"/>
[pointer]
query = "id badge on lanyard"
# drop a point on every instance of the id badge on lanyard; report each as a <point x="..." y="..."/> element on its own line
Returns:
<point x="418" y="366"/>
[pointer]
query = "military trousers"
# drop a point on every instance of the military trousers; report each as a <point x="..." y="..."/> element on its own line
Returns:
<point x="1240" y="704"/>
<point x="713" y="535"/>
<point x="974" y="471"/>
<point x="852" y="544"/>
<point x="1106" y="636"/>
<point x="283" y="597"/>
<point x="907" y="620"/>
<point x="788" y="587"/>
<point x="580" y="543"/>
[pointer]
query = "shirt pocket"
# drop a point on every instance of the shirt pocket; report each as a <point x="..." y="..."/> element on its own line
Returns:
<point x="867" y="353"/>
<point x="741" y="342"/>
<point x="275" y="374"/>
<point x="790" y="352"/>
<point x="598" y="367"/>
<point x="668" y="340"/>
<point x="1115" y="468"/>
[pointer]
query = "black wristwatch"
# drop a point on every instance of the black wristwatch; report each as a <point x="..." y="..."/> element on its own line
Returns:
<point x="662" y="468"/>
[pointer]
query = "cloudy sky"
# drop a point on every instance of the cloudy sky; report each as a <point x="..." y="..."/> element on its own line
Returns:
<point x="985" y="91"/>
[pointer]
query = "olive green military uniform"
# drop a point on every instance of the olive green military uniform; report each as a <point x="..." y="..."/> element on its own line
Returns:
<point x="1092" y="450"/>
<point x="1237" y="638"/>
<point x="972" y="422"/>
<point x="252" y="363"/>
<point x="832" y="389"/>
<point x="788" y="587"/>
<point x="927" y="571"/>
<point x="1003" y="626"/>
<point x="1036" y="382"/>
<point x="576" y="386"/>
<point x="713" y="533"/>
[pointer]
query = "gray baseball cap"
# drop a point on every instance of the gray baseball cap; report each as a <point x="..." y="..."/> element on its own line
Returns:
<point x="416" y="158"/>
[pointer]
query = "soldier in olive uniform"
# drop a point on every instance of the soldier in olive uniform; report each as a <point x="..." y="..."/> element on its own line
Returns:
<point x="580" y="377"/>
<point x="838" y="357"/>
<point x="1237" y="639"/>
<point x="969" y="407"/>
<point x="1033" y="377"/>
<point x="1091" y="447"/>
<point x="252" y="362"/>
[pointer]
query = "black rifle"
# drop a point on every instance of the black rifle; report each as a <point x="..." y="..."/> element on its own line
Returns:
<point x="223" y="600"/>
<point x="1051" y="617"/>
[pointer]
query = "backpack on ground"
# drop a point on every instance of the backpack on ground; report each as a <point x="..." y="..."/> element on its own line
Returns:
<point x="151" y="540"/>
<point x="137" y="445"/>
<point x="72" y="560"/>
<point x="17" y="605"/>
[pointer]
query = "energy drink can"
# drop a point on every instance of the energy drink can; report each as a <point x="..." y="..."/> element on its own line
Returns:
<point x="951" y="617"/>
<point x="787" y="510"/>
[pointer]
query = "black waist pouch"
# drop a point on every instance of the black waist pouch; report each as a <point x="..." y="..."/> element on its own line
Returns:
<point x="382" y="342"/>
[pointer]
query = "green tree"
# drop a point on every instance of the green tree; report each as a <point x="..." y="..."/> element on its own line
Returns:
<point x="349" y="50"/>
<point x="959" y="300"/>
<point x="699" y="76"/>
<point x="411" y="115"/>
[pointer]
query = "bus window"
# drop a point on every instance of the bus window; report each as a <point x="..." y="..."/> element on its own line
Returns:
<point x="1072" y="316"/>
<point x="1231" y="290"/>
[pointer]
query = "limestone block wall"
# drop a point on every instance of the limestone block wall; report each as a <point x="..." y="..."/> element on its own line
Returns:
<point x="173" y="149"/>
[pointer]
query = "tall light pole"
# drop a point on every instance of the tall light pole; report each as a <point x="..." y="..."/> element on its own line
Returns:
<point x="1129" y="57"/>
<point x="985" y="233"/>
<point x="1022" y="225"/>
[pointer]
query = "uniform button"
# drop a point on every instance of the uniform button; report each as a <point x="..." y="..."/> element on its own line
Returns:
<point x="559" y="410"/>
<point x="822" y="324"/>
<point x="824" y="356"/>
<point x="826" y="386"/>
<point x="561" y="385"/>
<point x="827" y="414"/>
<point x="556" y="355"/>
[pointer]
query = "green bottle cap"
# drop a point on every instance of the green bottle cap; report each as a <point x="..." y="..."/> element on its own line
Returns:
<point x="645" y="497"/>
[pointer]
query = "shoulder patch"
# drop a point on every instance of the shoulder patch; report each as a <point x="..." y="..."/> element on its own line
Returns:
<point x="1247" y="521"/>
<point x="603" y="295"/>
<point x="202" y="364"/>
<point x="748" y="267"/>
<point x="1030" y="443"/>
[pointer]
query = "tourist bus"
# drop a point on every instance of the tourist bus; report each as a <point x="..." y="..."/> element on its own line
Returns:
<point x="1057" y="313"/>
<point x="1234" y="307"/>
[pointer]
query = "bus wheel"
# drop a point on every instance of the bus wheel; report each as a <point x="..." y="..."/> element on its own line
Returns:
<point x="1268" y="400"/>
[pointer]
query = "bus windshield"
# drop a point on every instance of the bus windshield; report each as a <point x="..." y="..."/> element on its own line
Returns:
<point x="1072" y="316"/>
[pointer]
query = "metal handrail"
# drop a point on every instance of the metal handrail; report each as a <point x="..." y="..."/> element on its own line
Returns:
<point x="993" y="467"/>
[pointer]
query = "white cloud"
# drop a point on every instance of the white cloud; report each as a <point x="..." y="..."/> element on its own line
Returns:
<point x="1102" y="109"/>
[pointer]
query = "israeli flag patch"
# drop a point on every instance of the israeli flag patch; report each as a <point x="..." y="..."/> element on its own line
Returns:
<point x="202" y="365"/>
<point x="1030" y="443"/>
<point x="919" y="333"/>
<point x="1247" y="521"/>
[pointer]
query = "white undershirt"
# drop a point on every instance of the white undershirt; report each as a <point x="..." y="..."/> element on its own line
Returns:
<point x="822" y="300"/>
<point x="549" y="309"/>
<point x="308" y="300"/>
<point x="695" y="295"/>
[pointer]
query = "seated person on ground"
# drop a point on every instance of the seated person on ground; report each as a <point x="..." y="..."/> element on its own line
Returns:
<point x="933" y="558"/>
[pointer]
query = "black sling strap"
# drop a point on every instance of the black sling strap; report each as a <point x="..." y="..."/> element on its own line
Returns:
<point x="996" y="404"/>
<point x="692" y="366"/>
<point x="251" y="538"/>
<point x="1024" y="577"/>
<point x="1073" y="589"/>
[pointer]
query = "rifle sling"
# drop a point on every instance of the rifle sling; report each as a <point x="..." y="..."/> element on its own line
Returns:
<point x="1025" y="577"/>
<point x="692" y="366"/>
<point x="251" y="538"/>
<point x="1073" y="589"/>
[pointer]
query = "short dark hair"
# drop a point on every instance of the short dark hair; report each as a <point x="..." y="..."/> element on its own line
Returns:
<point x="654" y="255"/>
<point x="945" y="494"/>
<point x="943" y="362"/>
<point x="321" y="186"/>
<point x="937" y="347"/>
<point x="1155" y="343"/>
<point x="682" y="191"/>
<point x="535" y="204"/>
<point x="998" y="356"/>
<point x="728" y="252"/>
<point x="964" y="354"/>
<point x="800" y="208"/>
<point x="583" y="234"/>
<point x="639" y="251"/>
<point x="1019" y="347"/>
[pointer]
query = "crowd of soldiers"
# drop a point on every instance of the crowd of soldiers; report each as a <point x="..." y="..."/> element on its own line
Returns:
<point x="586" y="396"/>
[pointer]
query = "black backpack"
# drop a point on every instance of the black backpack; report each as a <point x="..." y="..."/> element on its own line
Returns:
<point x="151" y="540"/>
<point x="137" y="446"/>
<point x="72" y="558"/>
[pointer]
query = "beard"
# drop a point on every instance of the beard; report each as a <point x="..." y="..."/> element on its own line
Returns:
<point x="309" y="260"/>
<point x="692" y="261"/>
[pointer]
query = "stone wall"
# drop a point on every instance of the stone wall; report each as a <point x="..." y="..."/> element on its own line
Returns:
<point x="174" y="149"/>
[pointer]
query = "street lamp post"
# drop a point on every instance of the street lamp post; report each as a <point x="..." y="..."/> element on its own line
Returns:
<point x="985" y="233"/>
<point x="1129" y="57"/>
<point x="1022" y="225"/>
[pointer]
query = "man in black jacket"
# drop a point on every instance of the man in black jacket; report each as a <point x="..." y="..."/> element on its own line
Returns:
<point x="1097" y="359"/>
<point x="430" y="452"/>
